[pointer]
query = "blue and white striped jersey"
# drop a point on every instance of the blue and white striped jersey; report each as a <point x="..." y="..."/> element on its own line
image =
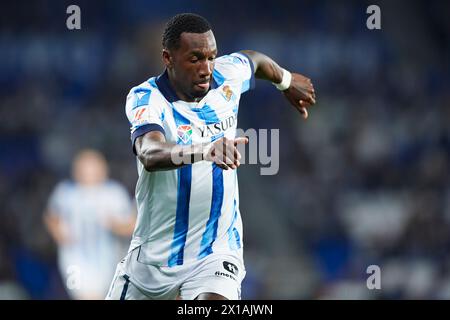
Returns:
<point x="84" y="211"/>
<point x="188" y="213"/>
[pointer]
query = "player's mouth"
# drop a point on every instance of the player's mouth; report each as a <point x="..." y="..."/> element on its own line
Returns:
<point x="204" y="85"/>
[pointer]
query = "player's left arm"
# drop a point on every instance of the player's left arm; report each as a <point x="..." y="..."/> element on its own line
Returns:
<point x="121" y="227"/>
<point x="297" y="88"/>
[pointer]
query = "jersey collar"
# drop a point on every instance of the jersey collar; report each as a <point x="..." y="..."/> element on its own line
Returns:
<point x="165" y="87"/>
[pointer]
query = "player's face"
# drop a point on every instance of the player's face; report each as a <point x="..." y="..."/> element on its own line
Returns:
<point x="90" y="168"/>
<point x="192" y="64"/>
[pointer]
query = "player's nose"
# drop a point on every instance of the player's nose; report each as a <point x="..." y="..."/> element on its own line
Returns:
<point x="206" y="69"/>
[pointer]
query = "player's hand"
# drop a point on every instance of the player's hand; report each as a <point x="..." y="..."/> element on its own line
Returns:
<point x="301" y="93"/>
<point x="224" y="152"/>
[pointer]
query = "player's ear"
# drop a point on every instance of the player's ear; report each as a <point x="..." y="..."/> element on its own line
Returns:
<point x="167" y="58"/>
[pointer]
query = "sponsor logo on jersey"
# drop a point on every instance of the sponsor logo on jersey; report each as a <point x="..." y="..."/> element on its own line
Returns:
<point x="139" y="116"/>
<point x="230" y="267"/>
<point x="225" y="275"/>
<point x="218" y="127"/>
<point x="141" y="94"/>
<point x="184" y="133"/>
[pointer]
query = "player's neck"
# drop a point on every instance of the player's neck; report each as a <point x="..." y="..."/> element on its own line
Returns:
<point x="181" y="95"/>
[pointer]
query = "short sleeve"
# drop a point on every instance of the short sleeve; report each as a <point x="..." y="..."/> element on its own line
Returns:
<point x="238" y="67"/>
<point x="57" y="198"/>
<point x="145" y="112"/>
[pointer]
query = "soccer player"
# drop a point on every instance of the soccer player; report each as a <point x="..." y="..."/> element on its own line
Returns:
<point x="90" y="218"/>
<point x="188" y="242"/>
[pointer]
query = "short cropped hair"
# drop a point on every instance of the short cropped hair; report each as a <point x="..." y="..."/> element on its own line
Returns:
<point x="184" y="22"/>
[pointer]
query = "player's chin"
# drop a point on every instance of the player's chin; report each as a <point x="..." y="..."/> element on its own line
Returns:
<point x="198" y="92"/>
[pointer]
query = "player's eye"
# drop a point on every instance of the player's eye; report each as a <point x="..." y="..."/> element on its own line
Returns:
<point x="211" y="58"/>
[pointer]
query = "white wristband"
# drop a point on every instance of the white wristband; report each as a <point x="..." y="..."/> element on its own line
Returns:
<point x="285" y="82"/>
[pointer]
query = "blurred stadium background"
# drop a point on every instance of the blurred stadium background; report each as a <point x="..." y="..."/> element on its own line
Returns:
<point x="364" y="181"/>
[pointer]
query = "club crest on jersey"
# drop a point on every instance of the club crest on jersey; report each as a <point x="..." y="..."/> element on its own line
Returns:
<point x="227" y="92"/>
<point x="184" y="133"/>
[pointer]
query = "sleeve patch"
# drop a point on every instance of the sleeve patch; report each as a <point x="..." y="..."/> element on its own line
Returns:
<point x="142" y="97"/>
<point x="140" y="116"/>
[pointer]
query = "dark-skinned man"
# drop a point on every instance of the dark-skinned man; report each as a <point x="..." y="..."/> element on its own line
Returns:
<point x="187" y="242"/>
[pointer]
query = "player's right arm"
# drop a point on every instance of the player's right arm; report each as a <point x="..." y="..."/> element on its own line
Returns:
<point x="300" y="91"/>
<point x="155" y="153"/>
<point x="56" y="227"/>
<point x="53" y="217"/>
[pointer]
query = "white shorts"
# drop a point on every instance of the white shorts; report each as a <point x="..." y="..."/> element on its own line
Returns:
<point x="85" y="281"/>
<point x="216" y="273"/>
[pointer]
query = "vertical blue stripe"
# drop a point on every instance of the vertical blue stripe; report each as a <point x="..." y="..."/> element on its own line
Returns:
<point x="210" y="234"/>
<point x="183" y="198"/>
<point x="237" y="238"/>
<point x="234" y="240"/>
<point x="231" y="238"/>
<point x="207" y="114"/>
<point x="182" y="216"/>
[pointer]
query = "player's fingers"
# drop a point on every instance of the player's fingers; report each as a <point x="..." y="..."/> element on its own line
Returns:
<point x="239" y="140"/>
<point x="221" y="144"/>
<point x="230" y="152"/>
<point x="305" y="113"/>
<point x="304" y="104"/>
<point x="227" y="157"/>
<point x="303" y="109"/>
<point x="236" y="157"/>
<point x="230" y="163"/>
<point x="210" y="154"/>
<point x="310" y="99"/>
<point x="237" y="154"/>
<point x="221" y="157"/>
<point x="221" y="164"/>
<point x="230" y="159"/>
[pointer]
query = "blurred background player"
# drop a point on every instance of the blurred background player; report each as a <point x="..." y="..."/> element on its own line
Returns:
<point x="90" y="218"/>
